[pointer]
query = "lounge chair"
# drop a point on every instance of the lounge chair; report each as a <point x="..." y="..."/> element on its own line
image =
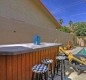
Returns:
<point x="81" y="66"/>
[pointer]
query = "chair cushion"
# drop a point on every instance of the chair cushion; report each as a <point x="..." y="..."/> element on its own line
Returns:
<point x="47" y="61"/>
<point x="40" y="68"/>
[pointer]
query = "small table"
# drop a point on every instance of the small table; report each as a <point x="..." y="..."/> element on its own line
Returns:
<point x="62" y="59"/>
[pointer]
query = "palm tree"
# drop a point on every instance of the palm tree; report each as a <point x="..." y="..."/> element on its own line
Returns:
<point x="71" y="27"/>
<point x="61" y="21"/>
<point x="70" y="23"/>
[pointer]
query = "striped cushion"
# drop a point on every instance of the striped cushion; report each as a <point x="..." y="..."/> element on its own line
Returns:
<point x="61" y="57"/>
<point x="47" y="61"/>
<point x="40" y="68"/>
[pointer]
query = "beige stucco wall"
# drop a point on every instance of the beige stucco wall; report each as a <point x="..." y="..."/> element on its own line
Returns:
<point x="24" y="10"/>
<point x="21" y="19"/>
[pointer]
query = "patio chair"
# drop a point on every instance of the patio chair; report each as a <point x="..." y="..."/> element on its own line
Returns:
<point x="81" y="66"/>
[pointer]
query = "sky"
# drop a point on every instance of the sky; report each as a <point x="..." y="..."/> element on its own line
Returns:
<point x="74" y="10"/>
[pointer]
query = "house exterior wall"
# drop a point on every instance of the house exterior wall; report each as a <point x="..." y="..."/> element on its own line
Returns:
<point x="24" y="10"/>
<point x="21" y="19"/>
